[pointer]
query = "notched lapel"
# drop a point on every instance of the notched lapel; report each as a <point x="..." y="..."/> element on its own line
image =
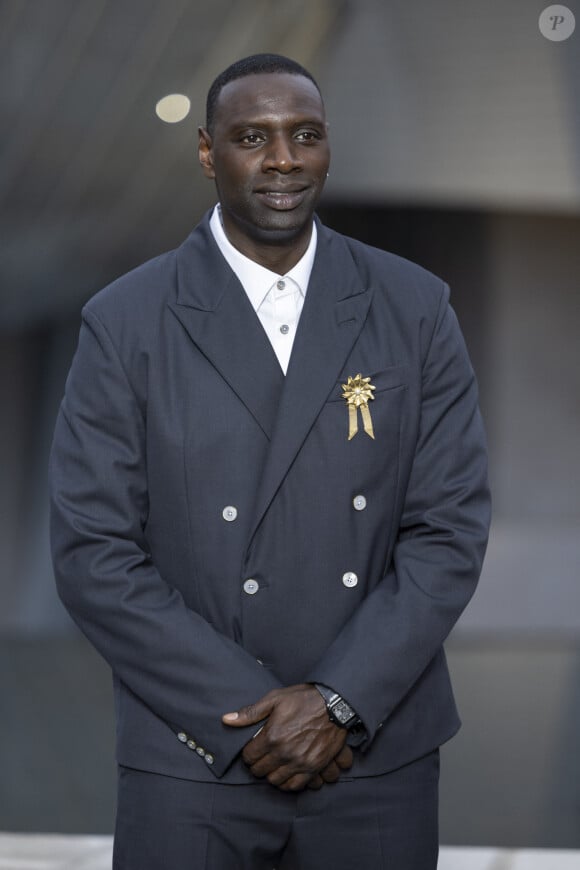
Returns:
<point x="334" y="313"/>
<point x="214" y="310"/>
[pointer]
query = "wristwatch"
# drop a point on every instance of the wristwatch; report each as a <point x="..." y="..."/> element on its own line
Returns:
<point x="339" y="711"/>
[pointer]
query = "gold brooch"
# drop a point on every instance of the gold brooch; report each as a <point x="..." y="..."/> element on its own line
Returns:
<point x="357" y="392"/>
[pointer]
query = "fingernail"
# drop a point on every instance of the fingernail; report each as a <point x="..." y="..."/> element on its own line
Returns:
<point x="231" y="716"/>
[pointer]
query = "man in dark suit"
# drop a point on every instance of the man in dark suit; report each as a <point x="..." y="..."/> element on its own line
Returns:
<point x="269" y="508"/>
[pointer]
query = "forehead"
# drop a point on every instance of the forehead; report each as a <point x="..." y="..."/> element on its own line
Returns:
<point x="264" y="95"/>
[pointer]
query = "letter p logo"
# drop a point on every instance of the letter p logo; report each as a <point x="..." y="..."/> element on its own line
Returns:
<point x="557" y="23"/>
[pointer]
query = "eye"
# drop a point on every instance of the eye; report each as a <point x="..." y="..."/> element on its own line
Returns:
<point x="308" y="135"/>
<point x="251" y="139"/>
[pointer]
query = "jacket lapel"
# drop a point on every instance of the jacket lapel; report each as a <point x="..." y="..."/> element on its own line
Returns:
<point x="216" y="313"/>
<point x="334" y="313"/>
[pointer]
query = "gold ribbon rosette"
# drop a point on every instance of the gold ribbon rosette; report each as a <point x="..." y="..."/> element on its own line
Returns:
<point x="357" y="392"/>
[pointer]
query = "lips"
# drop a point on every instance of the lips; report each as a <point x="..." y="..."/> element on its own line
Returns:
<point x="282" y="198"/>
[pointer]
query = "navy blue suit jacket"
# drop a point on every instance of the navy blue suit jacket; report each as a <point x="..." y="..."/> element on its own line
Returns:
<point x="176" y="407"/>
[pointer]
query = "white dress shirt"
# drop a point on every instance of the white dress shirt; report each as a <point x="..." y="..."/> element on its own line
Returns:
<point x="276" y="299"/>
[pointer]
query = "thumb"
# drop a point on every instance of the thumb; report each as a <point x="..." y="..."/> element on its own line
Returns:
<point x="249" y="715"/>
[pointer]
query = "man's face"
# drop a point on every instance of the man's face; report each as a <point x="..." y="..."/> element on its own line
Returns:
<point x="269" y="156"/>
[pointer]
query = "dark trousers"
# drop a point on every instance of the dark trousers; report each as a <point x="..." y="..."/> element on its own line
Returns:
<point x="386" y="822"/>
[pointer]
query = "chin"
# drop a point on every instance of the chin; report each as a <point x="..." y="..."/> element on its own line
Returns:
<point x="273" y="227"/>
<point x="284" y="225"/>
<point x="276" y="233"/>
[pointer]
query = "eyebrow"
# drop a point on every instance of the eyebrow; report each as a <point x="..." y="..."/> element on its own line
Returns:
<point x="268" y="121"/>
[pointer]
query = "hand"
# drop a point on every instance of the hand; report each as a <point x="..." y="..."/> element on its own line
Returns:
<point x="331" y="773"/>
<point x="298" y="745"/>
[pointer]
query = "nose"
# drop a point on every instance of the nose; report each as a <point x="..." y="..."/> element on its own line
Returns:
<point x="282" y="155"/>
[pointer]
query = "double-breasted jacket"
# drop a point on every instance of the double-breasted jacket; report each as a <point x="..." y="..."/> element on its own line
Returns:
<point x="215" y="532"/>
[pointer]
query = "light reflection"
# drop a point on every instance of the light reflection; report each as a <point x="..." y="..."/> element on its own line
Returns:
<point x="173" y="108"/>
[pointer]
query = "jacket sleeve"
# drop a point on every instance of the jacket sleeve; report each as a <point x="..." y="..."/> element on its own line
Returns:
<point x="400" y="627"/>
<point x="169" y="656"/>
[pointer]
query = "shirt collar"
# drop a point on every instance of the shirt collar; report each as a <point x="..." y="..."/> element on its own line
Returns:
<point x="256" y="280"/>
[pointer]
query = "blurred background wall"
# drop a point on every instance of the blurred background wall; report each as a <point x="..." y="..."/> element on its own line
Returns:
<point x="456" y="142"/>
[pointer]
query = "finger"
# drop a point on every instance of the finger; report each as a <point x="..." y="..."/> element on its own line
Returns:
<point x="344" y="758"/>
<point x="296" y="783"/>
<point x="250" y="715"/>
<point x="266" y="767"/>
<point x="316" y="783"/>
<point x="281" y="775"/>
<point x="330" y="773"/>
<point x="255" y="751"/>
<point x="259" y="746"/>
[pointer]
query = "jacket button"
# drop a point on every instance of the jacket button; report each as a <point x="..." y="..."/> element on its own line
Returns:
<point x="349" y="579"/>
<point x="359" y="502"/>
<point x="209" y="758"/>
<point x="229" y="513"/>
<point x="251" y="586"/>
<point x="200" y="751"/>
<point x="191" y="744"/>
<point x="182" y="736"/>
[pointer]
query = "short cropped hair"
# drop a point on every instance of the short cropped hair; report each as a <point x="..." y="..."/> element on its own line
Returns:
<point x="247" y="66"/>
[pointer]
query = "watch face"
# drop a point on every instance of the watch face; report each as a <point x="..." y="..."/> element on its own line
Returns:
<point x="343" y="712"/>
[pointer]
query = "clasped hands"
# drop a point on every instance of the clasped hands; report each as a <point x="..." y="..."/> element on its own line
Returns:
<point x="298" y="746"/>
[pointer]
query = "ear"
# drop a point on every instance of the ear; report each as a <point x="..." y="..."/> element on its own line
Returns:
<point x="205" y="153"/>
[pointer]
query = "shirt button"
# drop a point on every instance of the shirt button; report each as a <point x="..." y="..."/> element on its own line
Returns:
<point x="251" y="586"/>
<point x="280" y="284"/>
<point x="359" y="502"/>
<point x="229" y="513"/>
<point x="182" y="736"/>
<point x="284" y="329"/>
<point x="191" y="744"/>
<point x="349" y="579"/>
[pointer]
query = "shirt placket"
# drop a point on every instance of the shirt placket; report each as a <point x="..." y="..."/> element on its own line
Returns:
<point x="284" y="317"/>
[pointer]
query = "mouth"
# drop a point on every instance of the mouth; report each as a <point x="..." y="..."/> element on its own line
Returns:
<point x="282" y="198"/>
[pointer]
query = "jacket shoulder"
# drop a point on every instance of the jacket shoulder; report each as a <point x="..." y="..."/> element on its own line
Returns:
<point x="144" y="289"/>
<point x="404" y="282"/>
